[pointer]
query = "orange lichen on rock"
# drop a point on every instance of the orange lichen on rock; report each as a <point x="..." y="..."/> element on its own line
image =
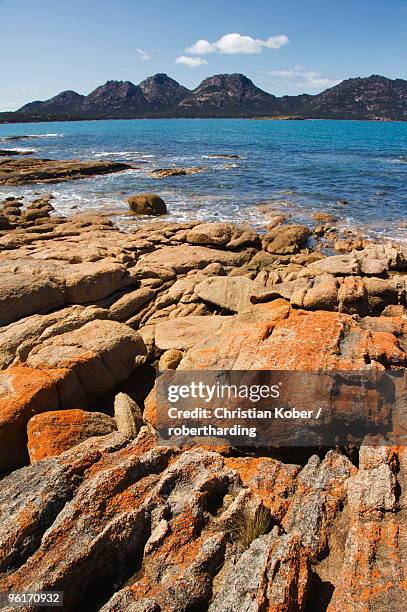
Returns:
<point x="23" y="393"/>
<point x="52" y="433"/>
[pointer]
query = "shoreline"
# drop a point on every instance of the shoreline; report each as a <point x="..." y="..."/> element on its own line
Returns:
<point x="232" y="118"/>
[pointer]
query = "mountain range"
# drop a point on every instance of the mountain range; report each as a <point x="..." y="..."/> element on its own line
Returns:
<point x="224" y="95"/>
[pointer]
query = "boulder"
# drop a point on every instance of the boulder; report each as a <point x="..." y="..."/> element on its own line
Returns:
<point x="31" y="498"/>
<point x="64" y="371"/>
<point x="224" y="235"/>
<point x="286" y="239"/>
<point x="34" y="214"/>
<point x="52" y="433"/>
<point x="235" y="346"/>
<point x="279" y="575"/>
<point x="337" y="265"/>
<point x="318" y="500"/>
<point x="323" y="217"/>
<point x="170" y="360"/>
<point x="374" y="553"/>
<point x="4" y="223"/>
<point x="147" y="204"/>
<point x="128" y="415"/>
<point x="33" y="286"/>
<point x="94" y="532"/>
<point x="19" y="338"/>
<point x="11" y="211"/>
<point x="24" y="392"/>
<point x="349" y="294"/>
<point x="130" y="303"/>
<point x="97" y="357"/>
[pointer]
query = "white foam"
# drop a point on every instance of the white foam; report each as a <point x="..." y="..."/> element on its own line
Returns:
<point x="20" y="150"/>
<point x="131" y="156"/>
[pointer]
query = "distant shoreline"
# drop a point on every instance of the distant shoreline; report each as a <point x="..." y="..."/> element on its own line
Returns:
<point x="25" y="120"/>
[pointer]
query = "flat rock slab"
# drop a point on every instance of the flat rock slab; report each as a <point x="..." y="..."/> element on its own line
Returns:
<point x="376" y="259"/>
<point x="33" y="170"/>
<point x="31" y="286"/>
<point x="185" y="332"/>
<point x="183" y="258"/>
<point x="301" y="341"/>
<point x="230" y="293"/>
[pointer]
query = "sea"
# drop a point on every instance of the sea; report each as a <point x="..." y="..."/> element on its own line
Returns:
<point x="355" y="170"/>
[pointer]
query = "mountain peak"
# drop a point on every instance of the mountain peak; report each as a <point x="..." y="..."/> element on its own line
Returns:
<point x="162" y="92"/>
<point x="226" y="93"/>
<point x="228" y="79"/>
<point x="66" y="102"/>
<point x="160" y="77"/>
<point x="115" y="97"/>
<point x="363" y="98"/>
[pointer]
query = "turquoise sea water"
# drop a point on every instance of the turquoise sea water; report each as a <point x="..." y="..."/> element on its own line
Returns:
<point x="297" y="166"/>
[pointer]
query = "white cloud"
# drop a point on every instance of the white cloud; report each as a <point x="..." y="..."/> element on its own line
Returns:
<point x="300" y="78"/>
<point x="201" y="47"/>
<point x="191" y="62"/>
<point x="143" y="55"/>
<point x="234" y="43"/>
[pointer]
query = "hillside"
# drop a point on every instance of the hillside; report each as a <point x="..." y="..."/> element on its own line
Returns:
<point x="224" y="95"/>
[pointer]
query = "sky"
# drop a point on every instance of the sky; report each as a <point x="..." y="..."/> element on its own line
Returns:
<point x="292" y="47"/>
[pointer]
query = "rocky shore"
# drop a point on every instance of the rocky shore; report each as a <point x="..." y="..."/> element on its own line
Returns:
<point x="34" y="170"/>
<point x="91" y="506"/>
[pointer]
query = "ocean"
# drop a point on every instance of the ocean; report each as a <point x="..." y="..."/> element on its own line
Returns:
<point x="351" y="169"/>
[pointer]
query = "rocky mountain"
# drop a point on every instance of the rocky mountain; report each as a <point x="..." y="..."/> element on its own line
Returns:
<point x="223" y="95"/>
<point x="162" y="93"/>
<point x="115" y="98"/>
<point x="373" y="97"/>
<point x="228" y="93"/>
<point x="65" y="102"/>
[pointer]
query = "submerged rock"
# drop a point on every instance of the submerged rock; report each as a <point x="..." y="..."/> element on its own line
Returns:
<point x="223" y="156"/>
<point x="14" y="152"/>
<point x="168" y="172"/>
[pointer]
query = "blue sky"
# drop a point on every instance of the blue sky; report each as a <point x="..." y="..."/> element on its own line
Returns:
<point x="292" y="47"/>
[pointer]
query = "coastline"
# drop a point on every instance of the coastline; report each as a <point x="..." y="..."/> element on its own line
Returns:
<point x="93" y="317"/>
<point x="43" y="119"/>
